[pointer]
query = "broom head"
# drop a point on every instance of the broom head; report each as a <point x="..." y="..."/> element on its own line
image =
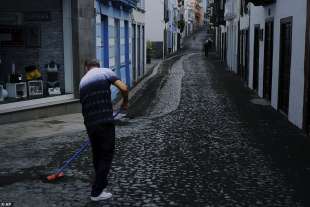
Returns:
<point x="55" y="176"/>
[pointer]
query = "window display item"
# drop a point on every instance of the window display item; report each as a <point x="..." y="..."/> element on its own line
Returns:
<point x="16" y="78"/>
<point x="53" y="85"/>
<point x="3" y="93"/>
<point x="33" y="73"/>
<point x="13" y="68"/>
<point x="17" y="90"/>
<point x="54" y="91"/>
<point x="35" y="88"/>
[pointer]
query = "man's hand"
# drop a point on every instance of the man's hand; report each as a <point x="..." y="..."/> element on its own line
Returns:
<point x="124" y="106"/>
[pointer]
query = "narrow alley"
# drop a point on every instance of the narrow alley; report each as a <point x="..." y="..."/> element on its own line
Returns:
<point x="194" y="136"/>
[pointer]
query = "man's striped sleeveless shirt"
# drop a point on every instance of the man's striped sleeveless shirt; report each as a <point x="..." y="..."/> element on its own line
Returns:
<point x="95" y="97"/>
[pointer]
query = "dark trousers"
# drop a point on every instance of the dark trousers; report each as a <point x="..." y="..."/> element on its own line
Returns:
<point x="103" y="144"/>
<point x="206" y="51"/>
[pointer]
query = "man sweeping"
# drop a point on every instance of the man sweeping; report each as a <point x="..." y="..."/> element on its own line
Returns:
<point x="95" y="97"/>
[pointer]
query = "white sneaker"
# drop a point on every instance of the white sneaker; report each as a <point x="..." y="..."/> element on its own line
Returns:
<point x="103" y="196"/>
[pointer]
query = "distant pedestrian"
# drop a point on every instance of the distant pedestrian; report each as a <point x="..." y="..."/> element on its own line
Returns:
<point x="207" y="45"/>
<point x="95" y="97"/>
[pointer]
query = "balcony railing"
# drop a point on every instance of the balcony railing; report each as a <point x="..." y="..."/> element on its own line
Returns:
<point x="130" y="3"/>
<point x="260" y="2"/>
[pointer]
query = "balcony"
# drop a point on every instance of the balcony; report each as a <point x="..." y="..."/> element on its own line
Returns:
<point x="229" y="16"/>
<point x="230" y="11"/>
<point x="129" y="3"/>
<point x="260" y="2"/>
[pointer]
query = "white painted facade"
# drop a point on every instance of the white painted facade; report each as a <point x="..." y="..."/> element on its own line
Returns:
<point x="296" y="9"/>
<point x="283" y="9"/>
<point x="232" y="15"/>
<point x="172" y="25"/>
<point x="138" y="25"/>
<point x="204" y="8"/>
<point x="189" y="17"/>
<point x="257" y="15"/>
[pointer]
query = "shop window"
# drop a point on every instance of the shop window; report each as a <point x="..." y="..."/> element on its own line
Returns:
<point x="32" y="57"/>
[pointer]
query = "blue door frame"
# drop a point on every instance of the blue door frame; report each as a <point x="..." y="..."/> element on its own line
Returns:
<point x="127" y="54"/>
<point x="117" y="47"/>
<point x="105" y="36"/>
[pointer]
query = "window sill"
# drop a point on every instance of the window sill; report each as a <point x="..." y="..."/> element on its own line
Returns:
<point x="36" y="103"/>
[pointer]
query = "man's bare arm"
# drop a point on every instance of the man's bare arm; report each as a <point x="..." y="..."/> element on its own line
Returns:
<point x="124" y="90"/>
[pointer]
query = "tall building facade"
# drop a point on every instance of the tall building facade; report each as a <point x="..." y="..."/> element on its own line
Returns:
<point x="120" y="39"/>
<point x="44" y="45"/>
<point x="267" y="46"/>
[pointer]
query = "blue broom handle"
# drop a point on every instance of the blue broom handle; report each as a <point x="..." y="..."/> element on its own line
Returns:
<point x="80" y="150"/>
<point x="76" y="154"/>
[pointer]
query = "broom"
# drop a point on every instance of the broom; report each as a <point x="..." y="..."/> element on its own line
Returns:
<point x="60" y="172"/>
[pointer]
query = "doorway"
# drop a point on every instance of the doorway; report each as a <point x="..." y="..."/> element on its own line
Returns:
<point x="307" y="77"/>
<point x="243" y="47"/>
<point x="133" y="53"/>
<point x="256" y="57"/>
<point x="285" y="64"/>
<point x="225" y="49"/>
<point x="117" y="47"/>
<point x="143" y="49"/>
<point x="139" y="50"/>
<point x="246" y="56"/>
<point x="268" y="59"/>
<point x="239" y="53"/>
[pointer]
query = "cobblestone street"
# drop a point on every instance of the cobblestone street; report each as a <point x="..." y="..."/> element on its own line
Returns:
<point x="194" y="136"/>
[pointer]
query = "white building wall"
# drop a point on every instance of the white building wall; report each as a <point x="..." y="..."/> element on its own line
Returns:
<point x="282" y="9"/>
<point x="154" y="20"/>
<point x="298" y="10"/>
<point x="257" y="16"/>
<point x="188" y="16"/>
<point x="232" y="14"/>
<point x="244" y="22"/>
<point x="139" y="18"/>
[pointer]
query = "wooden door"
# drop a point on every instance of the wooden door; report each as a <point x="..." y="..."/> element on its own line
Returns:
<point x="268" y="60"/>
<point x="143" y="49"/>
<point x="246" y="56"/>
<point x="307" y="76"/>
<point x="222" y="48"/>
<point x="225" y="49"/>
<point x="139" y="51"/>
<point x="285" y="64"/>
<point x="241" y="54"/>
<point x="307" y="82"/>
<point x="256" y="58"/>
